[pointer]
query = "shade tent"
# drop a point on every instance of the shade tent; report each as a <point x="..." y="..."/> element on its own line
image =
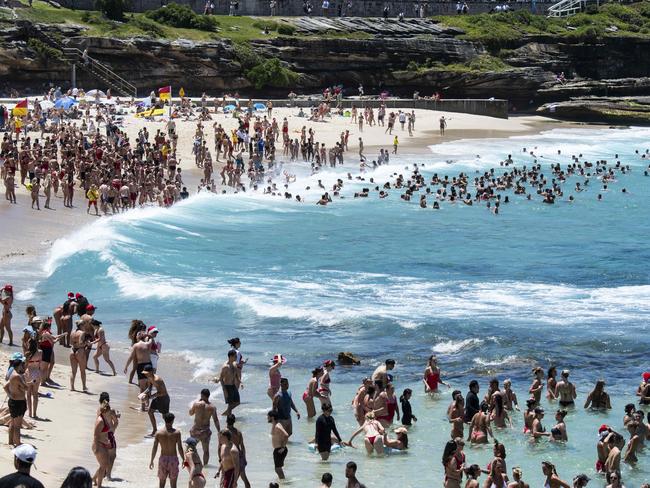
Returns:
<point x="46" y="104"/>
<point x="93" y="93"/>
<point x="260" y="107"/>
<point x="229" y="108"/>
<point x="66" y="103"/>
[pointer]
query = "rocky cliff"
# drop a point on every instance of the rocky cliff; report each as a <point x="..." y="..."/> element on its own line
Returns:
<point x="432" y="59"/>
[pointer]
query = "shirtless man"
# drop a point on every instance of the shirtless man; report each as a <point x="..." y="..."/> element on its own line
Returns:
<point x="141" y="355"/>
<point x="15" y="388"/>
<point x="171" y="449"/>
<point x="279" y="439"/>
<point x="78" y="358"/>
<point x="6" y="300"/>
<point x="203" y="411"/>
<point x="381" y="373"/>
<point x="230" y="379"/>
<point x="229" y="460"/>
<point x="159" y="398"/>
<point x="565" y="390"/>
<point x="238" y="440"/>
<point x="351" y="475"/>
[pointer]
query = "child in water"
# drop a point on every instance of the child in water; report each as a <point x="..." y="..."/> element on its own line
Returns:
<point x="407" y="412"/>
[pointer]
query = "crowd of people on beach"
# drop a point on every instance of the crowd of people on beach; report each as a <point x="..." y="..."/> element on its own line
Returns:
<point x="384" y="418"/>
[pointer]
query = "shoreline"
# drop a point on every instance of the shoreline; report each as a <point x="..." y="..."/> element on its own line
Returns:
<point x="78" y="409"/>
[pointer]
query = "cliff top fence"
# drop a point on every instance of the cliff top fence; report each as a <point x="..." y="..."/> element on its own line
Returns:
<point x="335" y="8"/>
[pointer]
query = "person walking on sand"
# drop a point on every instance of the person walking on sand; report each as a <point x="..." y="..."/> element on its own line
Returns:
<point x="15" y="389"/>
<point x="230" y="379"/>
<point x="204" y="411"/>
<point x="141" y="356"/>
<point x="6" y="300"/>
<point x="193" y="464"/>
<point x="229" y="460"/>
<point x="171" y="449"/>
<point x="78" y="355"/>
<point x="443" y="125"/>
<point x="102" y="347"/>
<point x="103" y="443"/>
<point x="159" y="399"/>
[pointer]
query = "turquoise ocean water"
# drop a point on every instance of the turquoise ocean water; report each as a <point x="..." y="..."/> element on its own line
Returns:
<point x="492" y="295"/>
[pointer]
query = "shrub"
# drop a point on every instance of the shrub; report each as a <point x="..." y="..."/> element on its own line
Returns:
<point x="42" y="50"/>
<point x="486" y="62"/>
<point x="644" y="9"/>
<point x="246" y="56"/>
<point x="587" y="34"/>
<point x="621" y="12"/>
<point x="271" y="73"/>
<point x="286" y="30"/>
<point x="182" y="16"/>
<point x="147" y="25"/>
<point x="113" y="9"/>
<point x="270" y="25"/>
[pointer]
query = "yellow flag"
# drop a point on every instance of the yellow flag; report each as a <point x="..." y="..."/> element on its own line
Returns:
<point x="181" y="92"/>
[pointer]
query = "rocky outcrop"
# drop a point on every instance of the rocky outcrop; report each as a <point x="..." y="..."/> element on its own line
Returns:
<point x="611" y="110"/>
<point x="382" y="57"/>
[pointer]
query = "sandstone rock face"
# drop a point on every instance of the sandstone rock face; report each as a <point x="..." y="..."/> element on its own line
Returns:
<point x="613" y="110"/>
<point x="613" y="67"/>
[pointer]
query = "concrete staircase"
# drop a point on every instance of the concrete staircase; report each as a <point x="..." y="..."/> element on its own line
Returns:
<point x="75" y="58"/>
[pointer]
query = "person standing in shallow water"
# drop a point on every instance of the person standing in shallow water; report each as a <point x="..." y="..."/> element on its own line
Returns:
<point x="230" y="379"/>
<point x="203" y="412"/>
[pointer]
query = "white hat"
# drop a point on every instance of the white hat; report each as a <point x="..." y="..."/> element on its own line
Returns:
<point x="25" y="452"/>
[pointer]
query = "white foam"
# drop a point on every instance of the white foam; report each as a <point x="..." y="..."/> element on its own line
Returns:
<point x="452" y="347"/>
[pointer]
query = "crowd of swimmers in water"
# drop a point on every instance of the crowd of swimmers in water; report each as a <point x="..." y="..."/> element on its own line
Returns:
<point x="383" y="415"/>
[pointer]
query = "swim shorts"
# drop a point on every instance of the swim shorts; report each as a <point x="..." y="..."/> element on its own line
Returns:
<point x="230" y="394"/>
<point x="279" y="455"/>
<point x="201" y="433"/>
<point x="160" y="404"/>
<point x="46" y="354"/>
<point x="17" y="408"/>
<point x="168" y="467"/>
<point x="227" y="479"/>
<point x="140" y="370"/>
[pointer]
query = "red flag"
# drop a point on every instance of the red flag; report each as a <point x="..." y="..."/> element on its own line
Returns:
<point x="165" y="93"/>
<point x="20" y="110"/>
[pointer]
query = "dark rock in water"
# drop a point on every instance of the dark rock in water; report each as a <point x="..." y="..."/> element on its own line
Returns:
<point x="612" y="110"/>
<point x="348" y="359"/>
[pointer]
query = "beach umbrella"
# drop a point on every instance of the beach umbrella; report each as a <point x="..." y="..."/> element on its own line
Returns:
<point x="65" y="103"/>
<point x="229" y="108"/>
<point x="46" y="104"/>
<point x="93" y="93"/>
<point x="260" y="107"/>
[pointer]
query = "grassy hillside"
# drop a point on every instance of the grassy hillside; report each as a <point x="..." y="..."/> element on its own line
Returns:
<point x="504" y="29"/>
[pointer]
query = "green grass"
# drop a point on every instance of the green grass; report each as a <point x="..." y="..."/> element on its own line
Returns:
<point x="481" y="64"/>
<point x="138" y="25"/>
<point x="504" y="30"/>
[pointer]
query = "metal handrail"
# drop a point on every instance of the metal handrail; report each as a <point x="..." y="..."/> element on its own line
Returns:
<point x="94" y="64"/>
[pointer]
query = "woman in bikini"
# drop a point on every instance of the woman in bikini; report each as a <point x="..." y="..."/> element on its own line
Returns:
<point x="598" y="399"/>
<point x="113" y="418"/>
<point x="431" y="377"/>
<point x="374" y="435"/>
<point x="102" y="349"/>
<point x="46" y="344"/>
<point x="552" y="479"/>
<point x="275" y="376"/>
<point x="311" y="392"/>
<point x="499" y="414"/>
<point x="536" y="387"/>
<point x="324" y="389"/>
<point x="358" y="402"/>
<point x="529" y="415"/>
<point x="551" y="382"/>
<point x="479" y="429"/>
<point x="102" y="443"/>
<point x="558" y="432"/>
<point x="457" y="416"/>
<point x="193" y="464"/>
<point x="634" y="444"/>
<point x="401" y="443"/>
<point x="33" y="357"/>
<point x="453" y="470"/>
<point x="136" y="327"/>
<point x="391" y="407"/>
<point x="509" y="396"/>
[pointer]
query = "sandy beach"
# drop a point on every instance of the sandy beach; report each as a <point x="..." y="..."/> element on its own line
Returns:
<point x="29" y="234"/>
